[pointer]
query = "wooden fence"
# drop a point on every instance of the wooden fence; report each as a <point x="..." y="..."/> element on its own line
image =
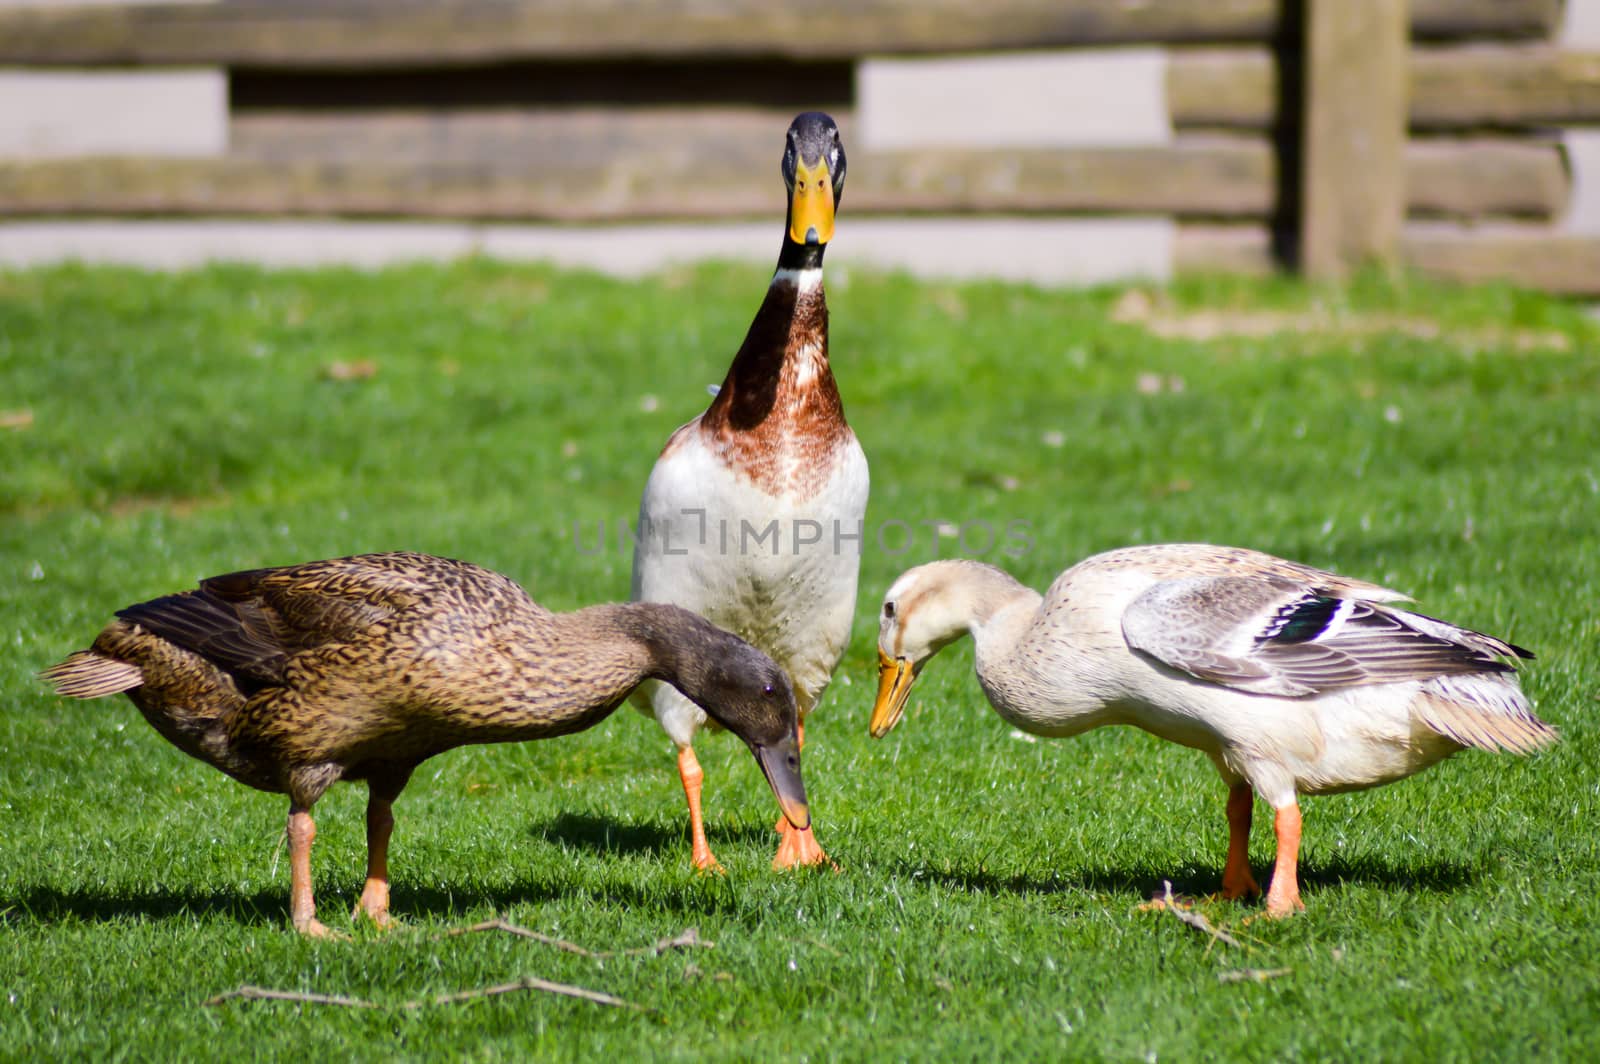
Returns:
<point x="1459" y="137"/>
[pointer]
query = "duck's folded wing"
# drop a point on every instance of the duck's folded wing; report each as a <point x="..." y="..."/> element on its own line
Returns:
<point x="235" y="639"/>
<point x="298" y="607"/>
<point x="1272" y="635"/>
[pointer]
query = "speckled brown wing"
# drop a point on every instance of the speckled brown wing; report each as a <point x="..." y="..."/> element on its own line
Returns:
<point x="250" y="622"/>
<point x="298" y="607"/>
<point x="203" y="623"/>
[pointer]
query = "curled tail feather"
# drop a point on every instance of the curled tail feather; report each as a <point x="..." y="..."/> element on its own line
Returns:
<point x="90" y="674"/>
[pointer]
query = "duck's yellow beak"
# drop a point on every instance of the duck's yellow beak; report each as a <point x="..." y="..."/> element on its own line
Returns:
<point x="811" y="205"/>
<point x="895" y="677"/>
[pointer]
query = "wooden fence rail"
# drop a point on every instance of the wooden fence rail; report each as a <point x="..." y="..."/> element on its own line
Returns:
<point x="1453" y="135"/>
<point x="353" y="33"/>
<point x="1201" y="178"/>
<point x="1485" y="86"/>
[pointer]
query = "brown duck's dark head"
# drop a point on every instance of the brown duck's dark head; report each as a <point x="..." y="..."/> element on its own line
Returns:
<point x="813" y="169"/>
<point x="743" y="690"/>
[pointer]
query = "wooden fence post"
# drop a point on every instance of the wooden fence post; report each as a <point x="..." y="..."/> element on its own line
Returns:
<point x="1353" y="181"/>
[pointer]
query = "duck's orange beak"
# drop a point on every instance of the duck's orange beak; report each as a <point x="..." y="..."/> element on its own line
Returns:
<point x="811" y="204"/>
<point x="895" y="677"/>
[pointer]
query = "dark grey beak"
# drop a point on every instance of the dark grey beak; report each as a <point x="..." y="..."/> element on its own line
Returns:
<point x="780" y="762"/>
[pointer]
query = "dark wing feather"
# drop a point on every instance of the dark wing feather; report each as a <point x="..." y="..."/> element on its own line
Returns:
<point x="334" y="601"/>
<point x="208" y="625"/>
<point x="1373" y="644"/>
<point x="1275" y="636"/>
<point x="251" y="622"/>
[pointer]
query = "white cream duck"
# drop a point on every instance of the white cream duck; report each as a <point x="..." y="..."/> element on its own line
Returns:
<point x="1292" y="680"/>
<point x="753" y="514"/>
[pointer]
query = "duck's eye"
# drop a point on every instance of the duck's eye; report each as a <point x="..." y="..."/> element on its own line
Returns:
<point x="766" y="688"/>
<point x="888" y="610"/>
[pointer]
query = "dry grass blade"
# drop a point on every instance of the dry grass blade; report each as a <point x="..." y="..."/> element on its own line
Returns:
<point x="529" y="982"/>
<point x="1196" y="920"/>
<point x="688" y="938"/>
<point x="261" y="993"/>
<point x="360" y="369"/>
<point x="523" y="932"/>
<point x="1251" y="975"/>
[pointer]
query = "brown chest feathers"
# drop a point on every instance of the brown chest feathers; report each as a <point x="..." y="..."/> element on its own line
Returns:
<point x="778" y="420"/>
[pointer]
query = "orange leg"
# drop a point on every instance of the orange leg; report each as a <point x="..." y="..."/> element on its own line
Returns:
<point x="302" y="909"/>
<point x="1237" y="882"/>
<point x="1283" y="896"/>
<point x="689" y="772"/>
<point x="374" y="902"/>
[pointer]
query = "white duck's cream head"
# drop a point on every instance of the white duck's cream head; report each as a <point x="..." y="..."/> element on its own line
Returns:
<point x="927" y="609"/>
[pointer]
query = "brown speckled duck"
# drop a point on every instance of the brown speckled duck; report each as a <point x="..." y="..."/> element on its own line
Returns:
<point x="361" y="668"/>
<point x="753" y="514"/>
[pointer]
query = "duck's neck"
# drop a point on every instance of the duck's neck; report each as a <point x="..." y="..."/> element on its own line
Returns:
<point x="1021" y="679"/>
<point x="998" y="609"/>
<point x="780" y="381"/>
<point x="571" y="678"/>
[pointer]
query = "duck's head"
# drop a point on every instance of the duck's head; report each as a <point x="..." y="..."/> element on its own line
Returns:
<point x="923" y="612"/>
<point x="813" y="168"/>
<point x="746" y="692"/>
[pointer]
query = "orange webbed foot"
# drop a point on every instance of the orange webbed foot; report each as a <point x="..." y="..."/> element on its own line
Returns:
<point x="707" y="865"/>
<point x="799" y="849"/>
<point x="373" y="905"/>
<point x="1281" y="907"/>
<point x="314" y="928"/>
<point x="1238" y="888"/>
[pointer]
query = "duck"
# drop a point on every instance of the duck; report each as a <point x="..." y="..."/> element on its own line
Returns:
<point x="291" y="678"/>
<point x="1292" y="680"/>
<point x="754" y="511"/>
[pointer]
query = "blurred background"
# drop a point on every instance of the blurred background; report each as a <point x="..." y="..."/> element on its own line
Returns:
<point x="1045" y="140"/>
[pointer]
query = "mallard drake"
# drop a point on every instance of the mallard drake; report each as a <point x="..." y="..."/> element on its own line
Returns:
<point x="1292" y="680"/>
<point x="753" y="514"/>
<point x="289" y="679"/>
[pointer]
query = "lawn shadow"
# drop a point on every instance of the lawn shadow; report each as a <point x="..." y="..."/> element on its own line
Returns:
<point x="1143" y="881"/>
<point x="270" y="907"/>
<point x="49" y="905"/>
<point x="597" y="834"/>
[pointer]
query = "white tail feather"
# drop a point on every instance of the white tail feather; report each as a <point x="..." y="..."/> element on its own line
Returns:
<point x="1511" y="726"/>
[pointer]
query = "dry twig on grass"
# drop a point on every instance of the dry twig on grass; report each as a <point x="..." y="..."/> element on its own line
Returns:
<point x="1195" y="920"/>
<point x="527" y="982"/>
<point x="1251" y="975"/>
<point x="261" y="993"/>
<point x="688" y="938"/>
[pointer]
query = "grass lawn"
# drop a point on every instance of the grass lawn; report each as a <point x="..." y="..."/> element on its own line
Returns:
<point x="1443" y="442"/>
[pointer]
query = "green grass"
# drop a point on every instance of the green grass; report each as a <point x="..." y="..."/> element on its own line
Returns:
<point x="184" y="425"/>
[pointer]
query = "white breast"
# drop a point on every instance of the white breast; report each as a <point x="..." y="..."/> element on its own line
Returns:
<point x="777" y="571"/>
